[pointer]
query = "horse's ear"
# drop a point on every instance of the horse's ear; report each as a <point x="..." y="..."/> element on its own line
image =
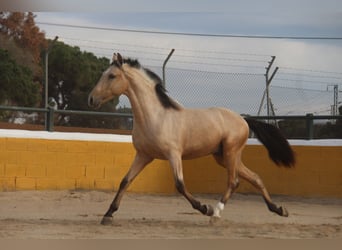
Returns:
<point x="117" y="58"/>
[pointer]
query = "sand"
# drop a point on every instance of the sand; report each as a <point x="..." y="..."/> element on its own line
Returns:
<point x="77" y="215"/>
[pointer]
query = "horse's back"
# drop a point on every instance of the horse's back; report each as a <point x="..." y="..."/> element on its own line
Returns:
<point x="227" y="119"/>
<point x="204" y="130"/>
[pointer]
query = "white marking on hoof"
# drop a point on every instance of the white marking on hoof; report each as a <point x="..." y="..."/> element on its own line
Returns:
<point x="217" y="210"/>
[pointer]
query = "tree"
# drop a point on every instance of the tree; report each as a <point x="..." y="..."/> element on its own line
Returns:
<point x="17" y="86"/>
<point x="11" y="22"/>
<point x="22" y="28"/>
<point x="72" y="75"/>
<point x="23" y="41"/>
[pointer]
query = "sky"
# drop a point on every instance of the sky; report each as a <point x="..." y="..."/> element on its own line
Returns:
<point x="203" y="42"/>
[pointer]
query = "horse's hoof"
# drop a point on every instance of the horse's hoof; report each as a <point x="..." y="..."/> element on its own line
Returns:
<point x="107" y="220"/>
<point x="214" y="220"/>
<point x="284" y="212"/>
<point x="210" y="210"/>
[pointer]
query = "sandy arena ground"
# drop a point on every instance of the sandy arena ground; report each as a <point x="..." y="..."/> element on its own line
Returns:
<point x="77" y="215"/>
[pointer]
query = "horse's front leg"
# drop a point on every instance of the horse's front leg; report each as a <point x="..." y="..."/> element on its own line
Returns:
<point x="140" y="161"/>
<point x="176" y="164"/>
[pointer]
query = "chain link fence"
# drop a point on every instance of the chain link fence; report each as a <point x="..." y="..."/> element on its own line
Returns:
<point x="200" y="89"/>
<point x="299" y="101"/>
<point x="242" y="93"/>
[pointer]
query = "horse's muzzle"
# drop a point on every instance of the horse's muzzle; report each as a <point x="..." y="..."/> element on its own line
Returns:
<point x="93" y="102"/>
<point x="90" y="101"/>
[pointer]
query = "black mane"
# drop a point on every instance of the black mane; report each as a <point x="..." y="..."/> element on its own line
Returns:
<point x="131" y="62"/>
<point x="164" y="99"/>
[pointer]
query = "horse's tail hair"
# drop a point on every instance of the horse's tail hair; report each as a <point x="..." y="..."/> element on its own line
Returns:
<point x="271" y="137"/>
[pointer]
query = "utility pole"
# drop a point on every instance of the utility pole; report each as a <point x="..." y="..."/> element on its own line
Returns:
<point x="335" y="99"/>
<point x="269" y="105"/>
<point x="46" y="85"/>
<point x="334" y="107"/>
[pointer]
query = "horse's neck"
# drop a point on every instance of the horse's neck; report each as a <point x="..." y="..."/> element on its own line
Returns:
<point x="144" y="101"/>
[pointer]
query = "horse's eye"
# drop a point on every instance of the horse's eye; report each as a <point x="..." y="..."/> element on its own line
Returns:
<point x="111" y="76"/>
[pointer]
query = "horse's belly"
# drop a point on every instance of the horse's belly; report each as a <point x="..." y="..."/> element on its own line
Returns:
<point x="194" y="155"/>
<point x="199" y="151"/>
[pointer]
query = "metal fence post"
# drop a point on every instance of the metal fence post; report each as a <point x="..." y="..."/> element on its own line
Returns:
<point x="309" y="126"/>
<point x="164" y="65"/>
<point x="50" y="122"/>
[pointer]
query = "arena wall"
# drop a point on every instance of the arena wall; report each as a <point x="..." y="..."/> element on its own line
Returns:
<point x="51" y="161"/>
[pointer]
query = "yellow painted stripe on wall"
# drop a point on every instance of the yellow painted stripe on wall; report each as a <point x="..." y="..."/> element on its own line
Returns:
<point x="47" y="164"/>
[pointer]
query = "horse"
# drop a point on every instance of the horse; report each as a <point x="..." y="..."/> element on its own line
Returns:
<point x="164" y="129"/>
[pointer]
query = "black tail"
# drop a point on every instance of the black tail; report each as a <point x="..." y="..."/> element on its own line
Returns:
<point x="278" y="147"/>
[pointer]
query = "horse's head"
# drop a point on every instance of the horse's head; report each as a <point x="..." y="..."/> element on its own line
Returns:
<point x="112" y="83"/>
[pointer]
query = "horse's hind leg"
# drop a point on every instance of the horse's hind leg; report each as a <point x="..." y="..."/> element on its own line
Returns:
<point x="219" y="159"/>
<point x="230" y="161"/>
<point x="137" y="166"/>
<point x="256" y="181"/>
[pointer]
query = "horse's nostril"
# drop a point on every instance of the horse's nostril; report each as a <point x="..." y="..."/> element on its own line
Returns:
<point x="90" y="101"/>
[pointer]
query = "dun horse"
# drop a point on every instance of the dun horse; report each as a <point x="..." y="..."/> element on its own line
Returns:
<point x="163" y="129"/>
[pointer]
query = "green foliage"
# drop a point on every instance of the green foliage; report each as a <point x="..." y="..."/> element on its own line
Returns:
<point x="72" y="75"/>
<point x="16" y="82"/>
<point x="21" y="43"/>
<point x="21" y="56"/>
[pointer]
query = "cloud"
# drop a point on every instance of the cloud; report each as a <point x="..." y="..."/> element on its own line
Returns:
<point x="230" y="55"/>
<point x="304" y="54"/>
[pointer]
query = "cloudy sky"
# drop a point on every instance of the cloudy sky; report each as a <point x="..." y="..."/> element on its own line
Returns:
<point x="201" y="34"/>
